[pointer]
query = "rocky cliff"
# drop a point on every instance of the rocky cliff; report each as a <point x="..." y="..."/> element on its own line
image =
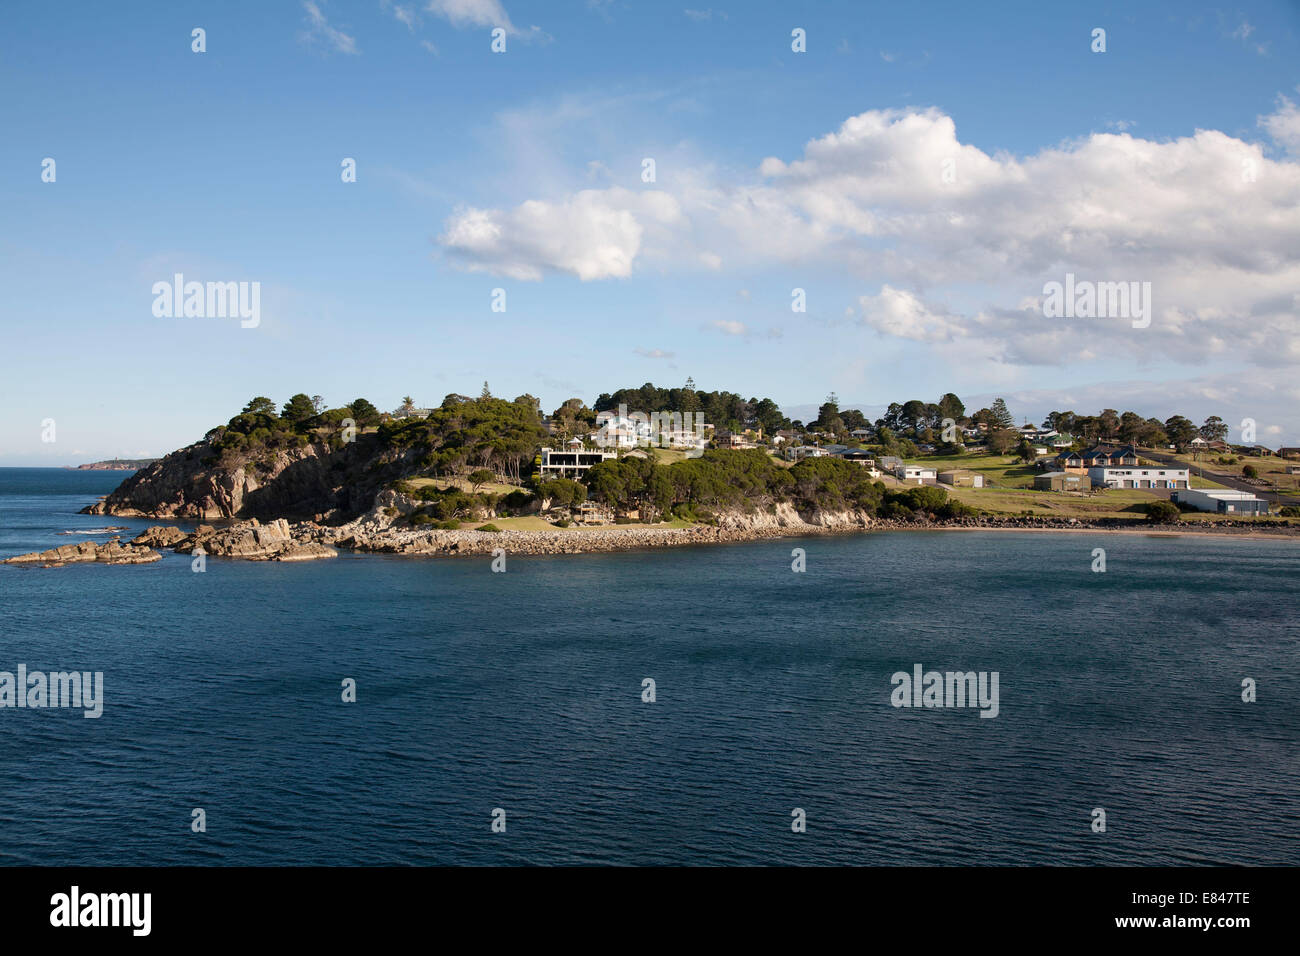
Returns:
<point x="318" y="480"/>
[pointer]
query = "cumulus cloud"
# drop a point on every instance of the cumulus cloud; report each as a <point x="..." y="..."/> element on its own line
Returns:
<point x="594" y="234"/>
<point x="900" y="313"/>
<point x="730" y="327"/>
<point x="1210" y="220"/>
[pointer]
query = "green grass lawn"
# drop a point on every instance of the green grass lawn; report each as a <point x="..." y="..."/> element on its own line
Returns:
<point x="668" y="456"/>
<point x="1002" y="471"/>
<point x="1112" y="503"/>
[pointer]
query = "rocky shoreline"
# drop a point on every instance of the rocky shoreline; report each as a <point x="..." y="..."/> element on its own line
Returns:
<point x="381" y="533"/>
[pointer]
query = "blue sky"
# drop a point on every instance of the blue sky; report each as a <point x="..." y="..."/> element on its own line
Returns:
<point x="521" y="170"/>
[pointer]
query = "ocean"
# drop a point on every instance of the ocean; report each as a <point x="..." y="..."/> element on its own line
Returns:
<point x="522" y="692"/>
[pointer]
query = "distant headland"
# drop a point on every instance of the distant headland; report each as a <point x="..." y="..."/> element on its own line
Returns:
<point x="117" y="464"/>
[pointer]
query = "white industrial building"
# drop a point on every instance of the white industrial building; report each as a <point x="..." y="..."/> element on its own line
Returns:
<point x="1222" y="501"/>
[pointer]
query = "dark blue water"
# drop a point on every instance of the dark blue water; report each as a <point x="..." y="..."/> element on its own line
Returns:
<point x="523" y="691"/>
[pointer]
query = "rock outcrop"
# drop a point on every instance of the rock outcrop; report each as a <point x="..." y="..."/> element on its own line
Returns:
<point x="110" y="552"/>
<point x="254" y="541"/>
<point x="314" y="480"/>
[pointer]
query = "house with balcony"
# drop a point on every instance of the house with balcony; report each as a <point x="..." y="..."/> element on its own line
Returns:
<point x="571" y="462"/>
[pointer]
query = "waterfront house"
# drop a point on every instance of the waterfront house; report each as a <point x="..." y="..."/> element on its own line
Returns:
<point x="1149" y="477"/>
<point x="914" y="474"/>
<point x="571" y="463"/>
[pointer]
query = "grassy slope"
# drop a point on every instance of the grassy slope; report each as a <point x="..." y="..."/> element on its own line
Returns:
<point x="1002" y="471"/>
<point x="1270" y="469"/>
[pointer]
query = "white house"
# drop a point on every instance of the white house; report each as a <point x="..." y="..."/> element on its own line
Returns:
<point x="795" y="452"/>
<point x="1131" y="477"/>
<point x="1222" y="500"/>
<point x="914" y="474"/>
<point x="570" y="464"/>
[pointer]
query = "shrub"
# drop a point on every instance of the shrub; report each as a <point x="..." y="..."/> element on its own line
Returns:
<point x="1250" y="471"/>
<point x="952" y="508"/>
<point x="1162" y="512"/>
<point x="490" y="527"/>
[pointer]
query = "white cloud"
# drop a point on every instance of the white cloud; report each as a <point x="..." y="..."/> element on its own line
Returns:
<point x="874" y="199"/>
<point x="900" y="313"/>
<point x="703" y="16"/>
<point x="472" y="13"/>
<point x="320" y="29"/>
<point x="594" y="234"/>
<point x="654" y="353"/>
<point x="483" y="13"/>
<point x="730" y="327"/>
<point x="1283" y="127"/>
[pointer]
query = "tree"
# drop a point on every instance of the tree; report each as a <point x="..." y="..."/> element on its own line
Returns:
<point x="530" y="402"/>
<point x="298" y="409"/>
<point x="486" y="393"/>
<point x="914" y="414"/>
<point x="1180" y="431"/>
<point x="950" y="406"/>
<point x="1065" y="422"/>
<point x="1002" y="440"/>
<point x="1025" y="452"/>
<point x="767" y="414"/>
<point x="1249" y="471"/>
<point x="406" y="409"/>
<point x="1214" y="429"/>
<point x="830" y="409"/>
<point x="1131" y="427"/>
<point x="1153" y="433"/>
<point x="364" y="413"/>
<point x="318" y="403"/>
<point x="260" y="406"/>
<point x="1001" y="416"/>
<point x="480" y="477"/>
<point x="1108" y="422"/>
<point x="690" y="402"/>
<point x="853" y="419"/>
<point x="563" y="492"/>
